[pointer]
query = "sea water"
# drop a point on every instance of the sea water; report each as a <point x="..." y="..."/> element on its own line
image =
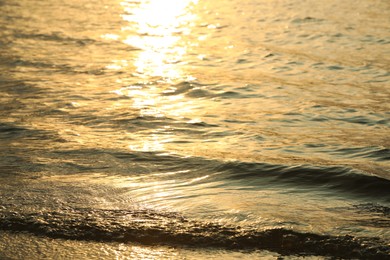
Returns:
<point x="193" y="129"/>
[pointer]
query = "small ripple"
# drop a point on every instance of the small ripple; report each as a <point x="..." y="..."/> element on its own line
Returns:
<point x="377" y="153"/>
<point x="56" y="37"/>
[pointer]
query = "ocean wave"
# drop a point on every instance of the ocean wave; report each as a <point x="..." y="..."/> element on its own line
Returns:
<point x="164" y="228"/>
<point x="346" y="181"/>
<point x="341" y="178"/>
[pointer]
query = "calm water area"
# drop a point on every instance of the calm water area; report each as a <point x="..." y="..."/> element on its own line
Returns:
<point x="194" y="129"/>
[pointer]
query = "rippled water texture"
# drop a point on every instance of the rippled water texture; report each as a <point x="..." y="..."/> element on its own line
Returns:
<point x="194" y="129"/>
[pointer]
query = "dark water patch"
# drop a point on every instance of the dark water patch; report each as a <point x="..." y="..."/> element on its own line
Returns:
<point x="376" y="153"/>
<point x="202" y="124"/>
<point x="242" y="61"/>
<point x="199" y="93"/>
<point x="218" y="134"/>
<point x="55" y="37"/>
<point x="358" y="120"/>
<point x="18" y="87"/>
<point x="370" y="39"/>
<point x="10" y="131"/>
<point x="269" y="55"/>
<point x="307" y="19"/>
<point x="72" y="167"/>
<point x="165" y="125"/>
<point x="3" y="2"/>
<point x="375" y="222"/>
<point x="373" y="208"/>
<point x="150" y="227"/>
<point x="15" y="163"/>
<point x="48" y="67"/>
<point x="369" y="120"/>
<point x="230" y="94"/>
<point x="236" y="121"/>
<point x="335" y="67"/>
<point x="378" y="216"/>
<point x="319" y="145"/>
<point x="236" y="92"/>
<point x="343" y="179"/>
<point x="35" y="64"/>
<point x="371" y="152"/>
<point x="16" y="63"/>
<point x="319" y="118"/>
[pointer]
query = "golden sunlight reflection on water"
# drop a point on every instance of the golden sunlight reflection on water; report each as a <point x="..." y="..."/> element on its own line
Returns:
<point x="159" y="26"/>
<point x="240" y="113"/>
<point x="155" y="28"/>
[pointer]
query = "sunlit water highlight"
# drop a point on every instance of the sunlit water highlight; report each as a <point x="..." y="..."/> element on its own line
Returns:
<point x="194" y="129"/>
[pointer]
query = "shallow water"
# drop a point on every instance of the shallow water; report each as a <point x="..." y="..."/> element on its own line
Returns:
<point x="193" y="129"/>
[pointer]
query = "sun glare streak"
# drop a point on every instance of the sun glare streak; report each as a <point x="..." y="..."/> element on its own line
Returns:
<point x="155" y="29"/>
<point x="159" y="17"/>
<point x="158" y="26"/>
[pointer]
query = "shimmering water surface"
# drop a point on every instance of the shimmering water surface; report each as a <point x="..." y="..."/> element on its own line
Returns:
<point x="189" y="129"/>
